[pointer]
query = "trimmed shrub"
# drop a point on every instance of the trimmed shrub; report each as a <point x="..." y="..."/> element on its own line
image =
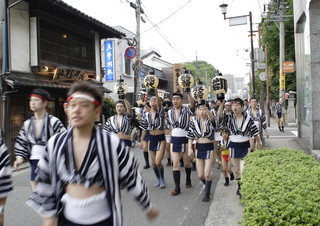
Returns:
<point x="281" y="187"/>
<point x="108" y="107"/>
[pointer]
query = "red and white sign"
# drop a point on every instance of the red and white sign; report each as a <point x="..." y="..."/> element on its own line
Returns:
<point x="130" y="52"/>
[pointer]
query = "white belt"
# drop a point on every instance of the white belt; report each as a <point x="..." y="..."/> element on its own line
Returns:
<point x="86" y="211"/>
<point x="37" y="151"/>
<point x="238" y="138"/>
<point x="178" y="132"/>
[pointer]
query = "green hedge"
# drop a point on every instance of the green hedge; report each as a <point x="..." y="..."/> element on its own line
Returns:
<point x="281" y="187"/>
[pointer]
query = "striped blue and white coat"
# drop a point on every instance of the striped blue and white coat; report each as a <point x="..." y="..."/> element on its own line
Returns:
<point x="27" y="136"/>
<point x="5" y="171"/>
<point x="118" y="166"/>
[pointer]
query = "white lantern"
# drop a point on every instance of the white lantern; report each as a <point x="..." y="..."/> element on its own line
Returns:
<point x="121" y="88"/>
<point x="199" y="94"/>
<point x="151" y="82"/>
<point x="186" y="81"/>
<point x="219" y="86"/>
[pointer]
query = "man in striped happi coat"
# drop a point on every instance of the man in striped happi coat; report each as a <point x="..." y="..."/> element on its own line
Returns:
<point x="35" y="132"/>
<point x="5" y="178"/>
<point x="242" y="128"/>
<point x="84" y="168"/>
<point x="121" y="122"/>
<point x="179" y="117"/>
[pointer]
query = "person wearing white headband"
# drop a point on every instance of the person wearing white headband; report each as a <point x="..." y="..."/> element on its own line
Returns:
<point x="179" y="118"/>
<point x="35" y="133"/>
<point x="84" y="169"/>
<point x="242" y="127"/>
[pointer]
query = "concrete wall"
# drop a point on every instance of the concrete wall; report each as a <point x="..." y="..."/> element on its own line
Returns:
<point x="19" y="37"/>
<point x="307" y="48"/>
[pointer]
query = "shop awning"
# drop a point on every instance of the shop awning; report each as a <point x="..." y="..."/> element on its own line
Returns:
<point x="21" y="80"/>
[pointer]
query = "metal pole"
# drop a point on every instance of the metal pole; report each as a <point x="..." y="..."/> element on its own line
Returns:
<point x="252" y="57"/>
<point x="268" y="94"/>
<point x="138" y="67"/>
<point x="282" y="78"/>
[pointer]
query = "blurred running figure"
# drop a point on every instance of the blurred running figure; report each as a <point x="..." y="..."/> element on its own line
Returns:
<point x="179" y="121"/>
<point x="259" y="120"/>
<point x="153" y="122"/>
<point x="5" y="178"/>
<point x="84" y="168"/>
<point x="35" y="133"/>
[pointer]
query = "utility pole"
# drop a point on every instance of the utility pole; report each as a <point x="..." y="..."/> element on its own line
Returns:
<point x="282" y="78"/>
<point x="252" y="57"/>
<point x="267" y="84"/>
<point x="138" y="65"/>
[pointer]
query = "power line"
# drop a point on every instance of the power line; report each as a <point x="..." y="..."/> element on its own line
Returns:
<point x="154" y="25"/>
<point x="165" y="38"/>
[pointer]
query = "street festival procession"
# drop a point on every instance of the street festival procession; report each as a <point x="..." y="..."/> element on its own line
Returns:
<point x="97" y="131"/>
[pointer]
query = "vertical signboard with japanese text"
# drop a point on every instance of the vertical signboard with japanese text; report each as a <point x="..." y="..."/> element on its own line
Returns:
<point x="177" y="70"/>
<point x="109" y="67"/>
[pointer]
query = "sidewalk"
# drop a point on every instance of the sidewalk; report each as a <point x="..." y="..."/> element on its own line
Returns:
<point x="226" y="208"/>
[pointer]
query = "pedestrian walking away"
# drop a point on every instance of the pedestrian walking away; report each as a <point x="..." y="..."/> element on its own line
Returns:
<point x="153" y="122"/>
<point x="279" y="106"/>
<point x="35" y="132"/>
<point x="179" y="121"/>
<point x="121" y="122"/>
<point x="5" y="178"/>
<point x="84" y="168"/>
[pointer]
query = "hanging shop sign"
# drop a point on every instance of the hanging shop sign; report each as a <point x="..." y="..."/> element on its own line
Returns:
<point x="67" y="74"/>
<point x="109" y="66"/>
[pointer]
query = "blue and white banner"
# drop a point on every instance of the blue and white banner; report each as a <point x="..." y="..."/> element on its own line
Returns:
<point x="109" y="66"/>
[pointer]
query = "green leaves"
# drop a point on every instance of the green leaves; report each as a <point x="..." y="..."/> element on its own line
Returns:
<point x="281" y="187"/>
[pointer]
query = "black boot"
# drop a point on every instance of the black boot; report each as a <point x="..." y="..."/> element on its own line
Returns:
<point x="282" y="128"/>
<point x="146" y="159"/>
<point x="203" y="181"/>
<point x="181" y="162"/>
<point x="157" y="173"/>
<point x="188" y="178"/>
<point x="206" y="197"/>
<point x="239" y="188"/>
<point x="176" y="178"/>
<point x="227" y="181"/>
<point x="231" y="176"/>
<point x="162" y="181"/>
<point x="169" y="162"/>
<point x="194" y="166"/>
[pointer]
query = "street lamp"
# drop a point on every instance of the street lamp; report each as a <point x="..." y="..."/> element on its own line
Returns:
<point x="224" y="12"/>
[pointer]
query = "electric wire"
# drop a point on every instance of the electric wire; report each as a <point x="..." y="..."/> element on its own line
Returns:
<point x="166" y="38"/>
<point x="167" y="17"/>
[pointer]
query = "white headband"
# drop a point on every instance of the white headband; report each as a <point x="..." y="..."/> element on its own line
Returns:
<point x="83" y="96"/>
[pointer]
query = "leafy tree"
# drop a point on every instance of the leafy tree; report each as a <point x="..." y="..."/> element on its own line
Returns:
<point x="201" y="70"/>
<point x="108" y="107"/>
<point x="270" y="36"/>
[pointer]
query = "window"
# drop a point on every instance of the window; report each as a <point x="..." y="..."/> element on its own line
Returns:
<point x="64" y="47"/>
